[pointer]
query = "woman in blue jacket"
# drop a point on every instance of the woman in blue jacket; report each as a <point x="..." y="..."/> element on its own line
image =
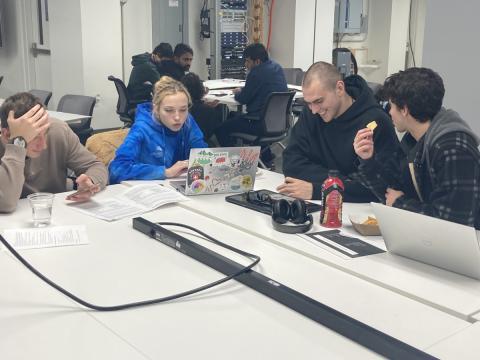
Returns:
<point x="159" y="142"/>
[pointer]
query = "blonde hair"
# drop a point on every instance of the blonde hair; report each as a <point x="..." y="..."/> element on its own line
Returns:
<point x="168" y="86"/>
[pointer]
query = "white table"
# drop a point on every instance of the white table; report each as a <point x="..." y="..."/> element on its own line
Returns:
<point x="220" y="84"/>
<point x="221" y="90"/>
<point x="444" y="290"/>
<point x="38" y="323"/>
<point x="63" y="116"/>
<point x="223" y="84"/>
<point x="121" y="265"/>
<point x="68" y="117"/>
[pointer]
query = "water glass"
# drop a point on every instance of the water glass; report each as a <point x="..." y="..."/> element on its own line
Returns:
<point x="41" y="204"/>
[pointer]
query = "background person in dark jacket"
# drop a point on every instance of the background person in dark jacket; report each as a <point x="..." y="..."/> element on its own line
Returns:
<point x="178" y="63"/>
<point x="322" y="138"/>
<point x="264" y="77"/>
<point x="145" y="72"/>
<point x="444" y="164"/>
<point x="207" y="115"/>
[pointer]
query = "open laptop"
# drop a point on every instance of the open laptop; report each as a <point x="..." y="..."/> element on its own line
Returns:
<point x="433" y="241"/>
<point x="219" y="170"/>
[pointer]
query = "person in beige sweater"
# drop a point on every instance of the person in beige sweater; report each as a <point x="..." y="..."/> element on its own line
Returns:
<point x="36" y="151"/>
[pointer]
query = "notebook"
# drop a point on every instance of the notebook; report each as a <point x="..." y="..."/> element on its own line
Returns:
<point x="433" y="241"/>
<point x="219" y="170"/>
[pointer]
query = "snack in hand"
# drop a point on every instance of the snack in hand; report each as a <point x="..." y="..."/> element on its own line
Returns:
<point x="372" y="125"/>
<point x="370" y="221"/>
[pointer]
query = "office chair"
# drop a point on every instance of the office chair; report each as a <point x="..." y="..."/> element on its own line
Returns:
<point x="79" y="104"/>
<point x="275" y="117"/>
<point x="344" y="61"/>
<point x="125" y="106"/>
<point x="43" y="95"/>
<point x="293" y="76"/>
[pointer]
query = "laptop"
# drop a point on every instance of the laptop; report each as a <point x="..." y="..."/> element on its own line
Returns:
<point x="433" y="241"/>
<point x="219" y="170"/>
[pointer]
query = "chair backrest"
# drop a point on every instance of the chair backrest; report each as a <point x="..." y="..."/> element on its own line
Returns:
<point x="293" y="76"/>
<point x="125" y="107"/>
<point x="337" y="53"/>
<point x="43" y="95"/>
<point x="123" y="99"/>
<point x="276" y="113"/>
<point x="104" y="144"/>
<point x="78" y="104"/>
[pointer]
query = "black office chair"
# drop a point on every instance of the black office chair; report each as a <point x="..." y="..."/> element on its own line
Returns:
<point x="293" y="76"/>
<point x="275" y="117"/>
<point x="43" y="95"/>
<point x="79" y="104"/>
<point x="353" y="62"/>
<point x="125" y="106"/>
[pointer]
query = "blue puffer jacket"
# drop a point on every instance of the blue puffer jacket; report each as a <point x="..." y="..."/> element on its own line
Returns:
<point x="150" y="147"/>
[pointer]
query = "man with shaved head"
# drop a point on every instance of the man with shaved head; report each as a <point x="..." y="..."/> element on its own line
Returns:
<point x="322" y="139"/>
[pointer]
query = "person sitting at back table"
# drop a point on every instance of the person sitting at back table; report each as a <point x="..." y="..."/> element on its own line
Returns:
<point x="321" y="139"/>
<point x="145" y="72"/>
<point x="182" y="60"/>
<point x="207" y="115"/>
<point x="264" y="77"/>
<point x="159" y="142"/>
<point x="36" y="152"/>
<point x="444" y="164"/>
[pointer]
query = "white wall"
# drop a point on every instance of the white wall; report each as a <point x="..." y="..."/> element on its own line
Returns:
<point x="377" y="42"/>
<point x="201" y="49"/>
<point x="417" y="31"/>
<point x="282" y="39"/>
<point x="450" y="31"/>
<point x="66" y="49"/>
<point x="137" y="32"/>
<point x="302" y="32"/>
<point x="398" y="36"/>
<point x="324" y="30"/>
<point x="102" y="56"/>
<point x="13" y="54"/>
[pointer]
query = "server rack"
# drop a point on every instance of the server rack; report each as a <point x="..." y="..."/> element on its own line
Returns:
<point x="229" y="19"/>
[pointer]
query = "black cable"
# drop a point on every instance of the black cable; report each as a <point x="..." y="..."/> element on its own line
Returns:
<point x="145" y="302"/>
<point x="409" y="34"/>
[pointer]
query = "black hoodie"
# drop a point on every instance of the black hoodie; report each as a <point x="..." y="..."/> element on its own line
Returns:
<point x="170" y="68"/>
<point x="316" y="146"/>
<point x="144" y="70"/>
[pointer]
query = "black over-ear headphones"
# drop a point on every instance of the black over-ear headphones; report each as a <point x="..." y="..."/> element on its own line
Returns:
<point x="284" y="211"/>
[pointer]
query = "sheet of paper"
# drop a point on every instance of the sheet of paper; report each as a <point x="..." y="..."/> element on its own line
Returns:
<point x="36" y="238"/>
<point x="152" y="196"/>
<point x="109" y="210"/>
<point x="136" y="200"/>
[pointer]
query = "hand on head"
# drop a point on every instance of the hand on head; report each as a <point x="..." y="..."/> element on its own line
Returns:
<point x="363" y="143"/>
<point x="177" y="169"/>
<point x="29" y="125"/>
<point x="296" y="188"/>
